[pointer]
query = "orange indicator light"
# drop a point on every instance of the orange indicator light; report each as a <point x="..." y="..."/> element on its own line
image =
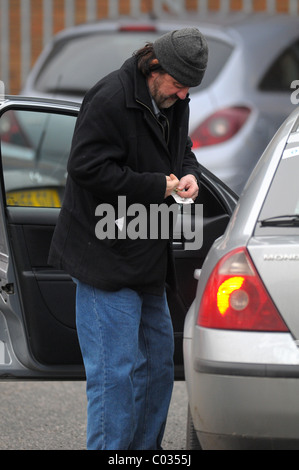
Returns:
<point x="225" y="290"/>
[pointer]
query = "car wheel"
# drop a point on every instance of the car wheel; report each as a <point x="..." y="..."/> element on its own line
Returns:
<point x="192" y="442"/>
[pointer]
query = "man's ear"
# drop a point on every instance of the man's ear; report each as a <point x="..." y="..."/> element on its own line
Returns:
<point x="153" y="65"/>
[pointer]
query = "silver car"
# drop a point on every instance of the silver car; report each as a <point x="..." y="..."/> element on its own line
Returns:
<point x="243" y="99"/>
<point x="38" y="338"/>
<point x="241" y="335"/>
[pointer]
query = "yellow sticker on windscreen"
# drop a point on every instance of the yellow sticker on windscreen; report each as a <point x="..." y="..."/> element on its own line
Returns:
<point x="34" y="198"/>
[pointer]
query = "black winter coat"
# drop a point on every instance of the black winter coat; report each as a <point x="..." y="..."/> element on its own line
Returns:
<point x="118" y="149"/>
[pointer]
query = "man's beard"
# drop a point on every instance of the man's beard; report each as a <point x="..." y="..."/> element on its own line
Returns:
<point x="162" y="101"/>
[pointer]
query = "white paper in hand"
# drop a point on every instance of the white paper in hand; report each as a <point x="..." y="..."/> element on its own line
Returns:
<point x="181" y="200"/>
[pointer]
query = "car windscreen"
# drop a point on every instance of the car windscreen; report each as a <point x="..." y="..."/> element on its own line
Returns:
<point x="77" y="63"/>
<point x="280" y="212"/>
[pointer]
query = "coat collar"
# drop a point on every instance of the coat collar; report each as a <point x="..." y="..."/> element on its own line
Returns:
<point x="137" y="96"/>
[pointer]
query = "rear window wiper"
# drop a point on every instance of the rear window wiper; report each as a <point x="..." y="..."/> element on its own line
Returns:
<point x="281" y="221"/>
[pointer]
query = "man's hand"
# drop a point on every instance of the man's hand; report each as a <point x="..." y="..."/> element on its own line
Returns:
<point x="171" y="184"/>
<point x="188" y="187"/>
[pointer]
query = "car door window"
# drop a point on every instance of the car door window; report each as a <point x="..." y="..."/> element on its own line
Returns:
<point x="35" y="147"/>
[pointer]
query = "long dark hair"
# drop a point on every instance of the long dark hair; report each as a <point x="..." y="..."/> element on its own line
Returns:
<point x="145" y="56"/>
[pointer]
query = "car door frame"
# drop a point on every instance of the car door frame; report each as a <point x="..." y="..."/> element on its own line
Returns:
<point x="18" y="361"/>
<point x="16" y="358"/>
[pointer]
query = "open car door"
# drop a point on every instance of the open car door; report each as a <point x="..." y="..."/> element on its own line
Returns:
<point x="37" y="302"/>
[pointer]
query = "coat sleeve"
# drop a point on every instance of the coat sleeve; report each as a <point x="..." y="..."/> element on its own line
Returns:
<point x="98" y="157"/>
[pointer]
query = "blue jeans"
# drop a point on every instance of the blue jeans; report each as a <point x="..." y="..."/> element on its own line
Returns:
<point x="126" y="341"/>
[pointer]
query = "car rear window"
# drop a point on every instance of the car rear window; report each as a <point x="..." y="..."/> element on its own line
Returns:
<point x="77" y="63"/>
<point x="281" y="206"/>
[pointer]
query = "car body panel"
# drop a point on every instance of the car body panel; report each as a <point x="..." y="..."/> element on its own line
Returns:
<point x="276" y="259"/>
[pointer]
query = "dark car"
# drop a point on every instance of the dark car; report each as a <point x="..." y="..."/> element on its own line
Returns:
<point x="37" y="302"/>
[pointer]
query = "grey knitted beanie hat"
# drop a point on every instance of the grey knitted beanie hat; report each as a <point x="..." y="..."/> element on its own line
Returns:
<point x="183" y="54"/>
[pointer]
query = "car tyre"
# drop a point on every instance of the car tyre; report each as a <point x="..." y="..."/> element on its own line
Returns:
<point x="192" y="442"/>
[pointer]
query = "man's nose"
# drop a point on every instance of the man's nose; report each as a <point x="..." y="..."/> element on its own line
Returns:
<point x="183" y="93"/>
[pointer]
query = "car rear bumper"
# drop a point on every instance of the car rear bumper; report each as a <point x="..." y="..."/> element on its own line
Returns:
<point x="237" y="401"/>
<point x="224" y="442"/>
<point x="235" y="412"/>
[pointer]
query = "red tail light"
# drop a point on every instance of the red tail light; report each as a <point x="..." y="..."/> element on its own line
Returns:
<point x="220" y="127"/>
<point x="236" y="299"/>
